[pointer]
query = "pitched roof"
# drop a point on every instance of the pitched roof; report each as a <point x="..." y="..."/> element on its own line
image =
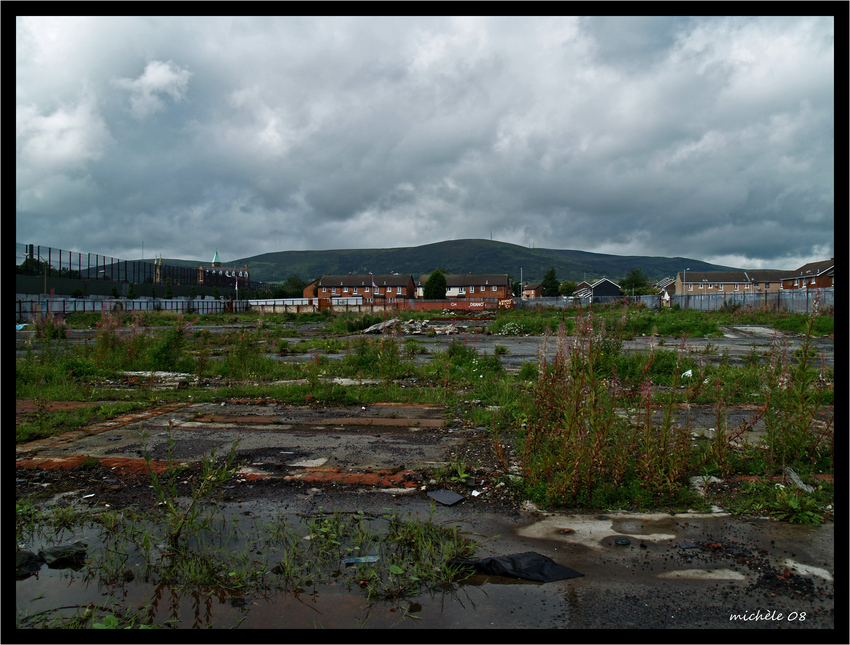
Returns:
<point x="364" y="280"/>
<point x="470" y="279"/>
<point x="601" y="280"/>
<point x="812" y="269"/>
<point x="765" y="275"/>
<point x="586" y="292"/>
<point x="716" y="276"/>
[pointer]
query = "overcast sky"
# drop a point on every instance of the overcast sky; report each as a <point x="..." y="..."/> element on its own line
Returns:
<point x="708" y="138"/>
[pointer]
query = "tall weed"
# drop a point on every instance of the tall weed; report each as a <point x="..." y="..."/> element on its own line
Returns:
<point x="574" y="439"/>
<point x="588" y="440"/>
<point x="797" y="430"/>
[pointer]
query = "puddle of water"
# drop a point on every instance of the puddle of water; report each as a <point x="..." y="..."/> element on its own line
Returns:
<point x="329" y="597"/>
<point x="477" y="602"/>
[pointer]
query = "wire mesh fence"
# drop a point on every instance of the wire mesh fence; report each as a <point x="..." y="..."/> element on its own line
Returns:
<point x="58" y="263"/>
<point x="789" y="300"/>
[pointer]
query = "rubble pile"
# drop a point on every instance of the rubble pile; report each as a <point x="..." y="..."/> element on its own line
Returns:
<point x="416" y="327"/>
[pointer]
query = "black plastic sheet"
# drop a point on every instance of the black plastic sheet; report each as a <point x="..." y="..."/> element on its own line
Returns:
<point x="447" y="497"/>
<point x="526" y="566"/>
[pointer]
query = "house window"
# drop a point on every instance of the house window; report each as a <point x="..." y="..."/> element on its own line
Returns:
<point x="333" y="291"/>
<point x="324" y="289"/>
<point x="701" y="286"/>
<point x="691" y="287"/>
<point x="471" y="289"/>
<point x="398" y="289"/>
<point x="737" y="286"/>
<point x="355" y="290"/>
<point x="766" y="286"/>
<point x="493" y="288"/>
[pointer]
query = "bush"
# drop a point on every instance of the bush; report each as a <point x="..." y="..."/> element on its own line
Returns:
<point x="165" y="353"/>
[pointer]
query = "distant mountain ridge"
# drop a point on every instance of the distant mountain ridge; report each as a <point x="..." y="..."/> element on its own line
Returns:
<point x="456" y="256"/>
<point x="466" y="256"/>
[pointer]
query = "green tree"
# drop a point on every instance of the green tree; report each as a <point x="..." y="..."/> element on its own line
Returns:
<point x="567" y="288"/>
<point x="169" y="293"/>
<point x="636" y="283"/>
<point x="293" y="287"/>
<point x="192" y="293"/>
<point x="435" y="286"/>
<point x="216" y="294"/>
<point x="131" y="291"/>
<point x="549" y="285"/>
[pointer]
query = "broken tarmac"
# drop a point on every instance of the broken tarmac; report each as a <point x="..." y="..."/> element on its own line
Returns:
<point x="641" y="570"/>
<point x="380" y="445"/>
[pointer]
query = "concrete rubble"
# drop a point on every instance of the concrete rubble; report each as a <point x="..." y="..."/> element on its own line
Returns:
<point x="415" y="327"/>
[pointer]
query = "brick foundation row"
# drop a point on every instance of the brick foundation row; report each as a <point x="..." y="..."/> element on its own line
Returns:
<point x="383" y="478"/>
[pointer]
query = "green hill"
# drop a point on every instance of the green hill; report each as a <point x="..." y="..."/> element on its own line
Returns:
<point x="466" y="256"/>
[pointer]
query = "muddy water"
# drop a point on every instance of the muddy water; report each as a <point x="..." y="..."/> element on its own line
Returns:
<point x="473" y="604"/>
<point x="682" y="570"/>
<point x="337" y="602"/>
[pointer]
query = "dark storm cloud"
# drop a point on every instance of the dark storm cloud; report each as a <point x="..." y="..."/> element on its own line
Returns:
<point x="709" y="138"/>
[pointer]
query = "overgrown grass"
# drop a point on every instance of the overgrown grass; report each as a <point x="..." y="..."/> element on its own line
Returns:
<point x="783" y="502"/>
<point x="635" y="320"/>
<point x="594" y="426"/>
<point x="599" y="433"/>
<point x="44" y="423"/>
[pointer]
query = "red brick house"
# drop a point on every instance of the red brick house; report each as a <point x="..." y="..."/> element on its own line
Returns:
<point x="386" y="288"/>
<point x="815" y="275"/>
<point x="534" y="290"/>
<point x="469" y="286"/>
<point x="310" y="290"/>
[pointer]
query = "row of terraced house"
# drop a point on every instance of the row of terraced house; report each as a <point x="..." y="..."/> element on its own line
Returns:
<point x="485" y="291"/>
<point x="399" y="288"/>
<point x="814" y="275"/>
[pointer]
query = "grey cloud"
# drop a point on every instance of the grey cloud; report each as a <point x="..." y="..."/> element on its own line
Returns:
<point x="708" y="137"/>
<point x="159" y="78"/>
<point x="633" y="43"/>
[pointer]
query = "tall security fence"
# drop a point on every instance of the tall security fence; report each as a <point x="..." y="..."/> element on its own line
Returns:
<point x="55" y="266"/>
<point x="46" y="261"/>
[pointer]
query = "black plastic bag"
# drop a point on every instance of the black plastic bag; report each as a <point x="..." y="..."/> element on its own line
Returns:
<point x="527" y="566"/>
